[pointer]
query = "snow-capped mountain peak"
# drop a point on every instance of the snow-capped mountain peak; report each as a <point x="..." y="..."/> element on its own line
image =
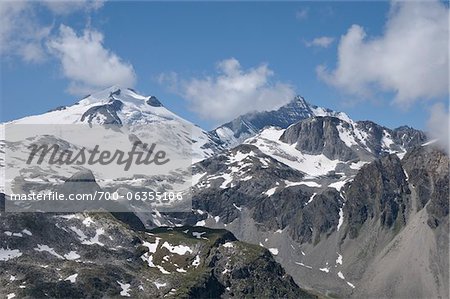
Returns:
<point x="113" y="105"/>
<point x="124" y="106"/>
<point x="333" y="139"/>
<point x="248" y="125"/>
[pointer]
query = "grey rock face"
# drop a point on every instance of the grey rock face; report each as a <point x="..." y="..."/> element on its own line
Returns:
<point x="319" y="135"/>
<point x="428" y="172"/>
<point x="379" y="190"/>
<point x="408" y="137"/>
<point x="396" y="225"/>
<point x="338" y="139"/>
<point x="318" y="219"/>
<point x="374" y="137"/>
<point x="106" y="114"/>
<point x="403" y="138"/>
<point x="153" y="101"/>
<point x="2" y="202"/>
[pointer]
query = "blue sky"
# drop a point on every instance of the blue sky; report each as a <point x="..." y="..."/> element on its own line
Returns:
<point x="167" y="47"/>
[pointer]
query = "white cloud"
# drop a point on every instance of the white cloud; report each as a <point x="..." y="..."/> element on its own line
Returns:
<point x="410" y="59"/>
<point x="232" y="91"/>
<point x="34" y="50"/>
<point x="67" y="7"/>
<point x="323" y="42"/>
<point x="438" y="125"/>
<point x="9" y="11"/>
<point x="87" y="63"/>
<point x="22" y="32"/>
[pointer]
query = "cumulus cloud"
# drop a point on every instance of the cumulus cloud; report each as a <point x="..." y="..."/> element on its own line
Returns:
<point x="87" y="63"/>
<point x="23" y="34"/>
<point x="84" y="60"/>
<point x="410" y="59"/>
<point x="232" y="91"/>
<point x="323" y="42"/>
<point x="67" y="7"/>
<point x="438" y="125"/>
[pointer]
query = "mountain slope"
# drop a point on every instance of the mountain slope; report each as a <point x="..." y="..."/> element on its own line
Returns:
<point x="349" y="209"/>
<point x="331" y="198"/>
<point x="107" y="258"/>
<point x="247" y="125"/>
<point x="371" y="237"/>
<point x="123" y="106"/>
<point x="403" y="242"/>
<point x="132" y="117"/>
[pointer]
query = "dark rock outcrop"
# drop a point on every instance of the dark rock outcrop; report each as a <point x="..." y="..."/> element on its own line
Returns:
<point x="104" y="114"/>
<point x="428" y="172"/>
<point x="2" y="202"/>
<point x="319" y="135"/>
<point x="153" y="101"/>
<point x="379" y="190"/>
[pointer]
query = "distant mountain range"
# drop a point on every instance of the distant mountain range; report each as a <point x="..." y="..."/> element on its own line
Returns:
<point x="247" y="125"/>
<point x="348" y="208"/>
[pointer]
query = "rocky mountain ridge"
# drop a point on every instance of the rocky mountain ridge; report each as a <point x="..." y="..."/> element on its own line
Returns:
<point x="348" y="208"/>
<point x="95" y="255"/>
<point x="351" y="231"/>
<point x="248" y="125"/>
